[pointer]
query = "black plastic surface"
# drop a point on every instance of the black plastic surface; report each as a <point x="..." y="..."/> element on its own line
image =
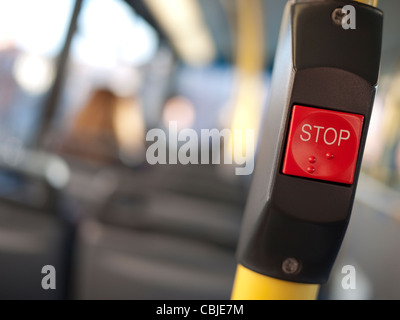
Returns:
<point x="335" y="69"/>
<point x="318" y="42"/>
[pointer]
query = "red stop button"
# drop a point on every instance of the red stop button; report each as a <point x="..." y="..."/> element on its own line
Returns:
<point x="323" y="144"/>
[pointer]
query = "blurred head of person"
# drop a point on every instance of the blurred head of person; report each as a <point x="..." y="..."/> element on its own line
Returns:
<point x="108" y="128"/>
<point x="92" y="134"/>
<point x="95" y="118"/>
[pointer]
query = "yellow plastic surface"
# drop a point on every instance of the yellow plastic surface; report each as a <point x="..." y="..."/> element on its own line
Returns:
<point x="373" y="3"/>
<point x="250" y="285"/>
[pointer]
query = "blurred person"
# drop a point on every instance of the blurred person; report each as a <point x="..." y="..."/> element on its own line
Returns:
<point x="92" y="135"/>
<point x="106" y="130"/>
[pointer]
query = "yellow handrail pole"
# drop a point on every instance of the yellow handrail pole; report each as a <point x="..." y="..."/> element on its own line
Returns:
<point x="250" y="285"/>
<point x="373" y="3"/>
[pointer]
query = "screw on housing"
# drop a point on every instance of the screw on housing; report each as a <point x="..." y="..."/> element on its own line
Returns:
<point x="337" y="16"/>
<point x="291" y="266"/>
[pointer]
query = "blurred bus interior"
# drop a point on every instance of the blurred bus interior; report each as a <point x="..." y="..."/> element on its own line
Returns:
<point x="83" y="81"/>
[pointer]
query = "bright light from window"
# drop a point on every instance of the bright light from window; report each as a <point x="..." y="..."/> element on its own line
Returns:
<point x="38" y="26"/>
<point x="33" y="73"/>
<point x="110" y="33"/>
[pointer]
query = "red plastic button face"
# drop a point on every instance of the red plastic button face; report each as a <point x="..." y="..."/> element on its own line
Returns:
<point x="323" y="144"/>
